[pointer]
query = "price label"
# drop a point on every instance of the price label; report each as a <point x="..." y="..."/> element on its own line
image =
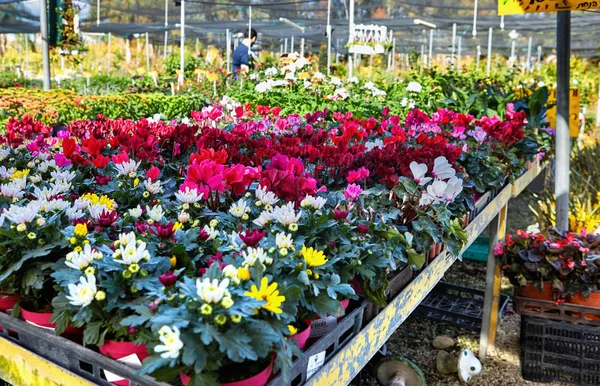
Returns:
<point x="321" y="327"/>
<point x="130" y="360"/>
<point x="315" y="362"/>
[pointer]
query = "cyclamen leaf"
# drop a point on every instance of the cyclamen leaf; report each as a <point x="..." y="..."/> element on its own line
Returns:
<point x="426" y="224"/>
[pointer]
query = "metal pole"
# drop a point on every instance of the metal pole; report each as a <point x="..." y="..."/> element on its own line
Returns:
<point x="453" y="42"/>
<point x="459" y="53"/>
<point x="285" y="46"/>
<point x="328" y="36"/>
<point x="563" y="141"/>
<point x="26" y="56"/>
<point x="475" y="19"/>
<point x="351" y="28"/>
<point x="489" y="52"/>
<point x="182" y="43"/>
<point x="393" y="55"/>
<point x="539" y="58"/>
<point x="108" y="53"/>
<point x="513" y="46"/>
<point x="98" y="12"/>
<point x="502" y="22"/>
<point x="430" y="48"/>
<point x="302" y="47"/>
<point x="292" y="44"/>
<point x="529" y="54"/>
<point x="147" y="53"/>
<point x="166" y="32"/>
<point x="250" y="32"/>
<point x="423" y="54"/>
<point x="478" y="56"/>
<point x="228" y="50"/>
<point x="45" y="48"/>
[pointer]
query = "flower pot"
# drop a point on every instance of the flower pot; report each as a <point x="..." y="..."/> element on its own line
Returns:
<point x="529" y="291"/>
<point x="355" y="283"/>
<point x="259" y="379"/>
<point x="592" y="301"/>
<point x="42" y="320"/>
<point x="302" y="336"/>
<point x="7" y="302"/>
<point x="118" y="350"/>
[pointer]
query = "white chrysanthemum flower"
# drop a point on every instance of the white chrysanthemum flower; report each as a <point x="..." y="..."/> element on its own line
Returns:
<point x="251" y="255"/>
<point x="212" y="291"/>
<point x="23" y="214"/>
<point x="171" y="342"/>
<point x="96" y="210"/>
<point x="185" y="121"/>
<point x="313" y="202"/>
<point x="156" y="213"/>
<point x="81" y="260"/>
<point x="153" y="187"/>
<point x="136" y="212"/>
<point x="190" y="196"/>
<point x="64" y="175"/>
<point x="44" y="166"/>
<point x="36" y="179"/>
<point x="263" y="219"/>
<point x="12" y="190"/>
<point x="131" y="252"/>
<point x="55" y="205"/>
<point x="61" y="186"/>
<point x="82" y="294"/>
<point x="285" y="215"/>
<point x="125" y="168"/>
<point x="212" y="232"/>
<point x="4" y="152"/>
<point x="265" y="197"/>
<point x="74" y="213"/>
<point x="414" y="87"/>
<point x="7" y="172"/>
<point x="229" y="271"/>
<point x="300" y="62"/>
<point x="239" y="208"/>
<point x="283" y="240"/>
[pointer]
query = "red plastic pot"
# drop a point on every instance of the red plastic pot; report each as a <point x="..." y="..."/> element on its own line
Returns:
<point x="42" y="319"/>
<point x="7" y="302"/>
<point x="592" y="301"/>
<point x="117" y="350"/>
<point x="355" y="283"/>
<point x="259" y="379"/>
<point x="302" y="336"/>
<point x="529" y="291"/>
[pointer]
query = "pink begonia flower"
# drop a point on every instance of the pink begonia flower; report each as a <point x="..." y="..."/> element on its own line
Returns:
<point x="352" y="192"/>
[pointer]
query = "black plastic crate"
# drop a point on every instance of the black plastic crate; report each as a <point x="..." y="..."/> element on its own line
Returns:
<point x="457" y="305"/>
<point x="553" y="351"/>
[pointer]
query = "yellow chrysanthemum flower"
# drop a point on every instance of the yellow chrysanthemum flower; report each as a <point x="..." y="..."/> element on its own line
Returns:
<point x="293" y="330"/>
<point x="243" y="273"/>
<point x="313" y="257"/>
<point x="81" y="230"/>
<point x="94" y="199"/>
<point x="268" y="293"/>
<point x="19" y="174"/>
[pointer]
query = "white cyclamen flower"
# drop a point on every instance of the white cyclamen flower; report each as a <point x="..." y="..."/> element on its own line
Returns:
<point x="442" y="169"/>
<point x="212" y="291"/>
<point x="419" y="171"/>
<point x="265" y="197"/>
<point x="82" y="294"/>
<point x="171" y="342"/>
<point x="437" y="191"/>
<point x="453" y="189"/>
<point x="283" y="240"/>
<point x="239" y="208"/>
<point x="414" y="87"/>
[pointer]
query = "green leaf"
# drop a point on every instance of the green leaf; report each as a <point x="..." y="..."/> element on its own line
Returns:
<point x="415" y="259"/>
<point x="91" y="334"/>
<point x="424" y="223"/>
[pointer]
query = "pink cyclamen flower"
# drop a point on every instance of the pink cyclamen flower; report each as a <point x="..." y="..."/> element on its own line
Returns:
<point x="352" y="192"/>
<point x="61" y="160"/>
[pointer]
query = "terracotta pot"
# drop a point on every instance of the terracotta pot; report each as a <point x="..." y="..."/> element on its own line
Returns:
<point x="302" y="336"/>
<point x="117" y="350"/>
<point x="259" y="379"/>
<point x="42" y="320"/>
<point x="592" y="301"/>
<point x="529" y="291"/>
<point x="7" y="302"/>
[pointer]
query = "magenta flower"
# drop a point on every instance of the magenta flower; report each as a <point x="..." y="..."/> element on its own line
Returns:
<point x="352" y="192"/>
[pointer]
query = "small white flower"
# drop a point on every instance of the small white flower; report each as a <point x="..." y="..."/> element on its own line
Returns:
<point x="334" y="80"/>
<point x="239" y="208"/>
<point x="283" y="240"/>
<point x="437" y="190"/>
<point x="300" y="63"/>
<point x="125" y="168"/>
<point x="212" y="291"/>
<point x="190" y="196"/>
<point x="12" y="190"/>
<point x="263" y="87"/>
<point x="171" y="342"/>
<point x="185" y="121"/>
<point x="453" y="189"/>
<point x="353" y="79"/>
<point x="264" y="218"/>
<point x="313" y="202"/>
<point x="156" y="213"/>
<point x="414" y="87"/>
<point x="4" y="152"/>
<point x="285" y="215"/>
<point x="378" y="143"/>
<point x="153" y="187"/>
<point x="267" y="198"/>
<point x="131" y="252"/>
<point x="136" y="212"/>
<point x="81" y="260"/>
<point x="271" y="71"/>
<point x="251" y="255"/>
<point x="229" y="271"/>
<point x="74" y="213"/>
<point x="82" y="294"/>
<point x="23" y="214"/>
<point x="533" y="229"/>
<point x="183" y="217"/>
<point x="212" y="232"/>
<point x="419" y="171"/>
<point x="404" y="102"/>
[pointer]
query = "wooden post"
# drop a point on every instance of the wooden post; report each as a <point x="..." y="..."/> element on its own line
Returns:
<point x="491" y="301"/>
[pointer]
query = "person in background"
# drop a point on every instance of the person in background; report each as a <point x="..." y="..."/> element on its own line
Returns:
<point x="241" y="55"/>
